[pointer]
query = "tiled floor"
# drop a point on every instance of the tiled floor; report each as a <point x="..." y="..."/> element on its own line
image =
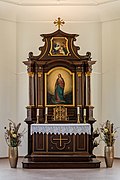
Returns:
<point x="103" y="173"/>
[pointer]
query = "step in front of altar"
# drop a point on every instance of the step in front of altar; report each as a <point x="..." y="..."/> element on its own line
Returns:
<point x="60" y="161"/>
<point x="60" y="165"/>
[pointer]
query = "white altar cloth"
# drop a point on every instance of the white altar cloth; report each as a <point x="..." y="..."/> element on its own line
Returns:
<point x="61" y="128"/>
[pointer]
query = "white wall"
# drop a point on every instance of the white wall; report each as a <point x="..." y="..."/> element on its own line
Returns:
<point x="111" y="76"/>
<point x="7" y="78"/>
<point x="17" y="40"/>
<point x="20" y="27"/>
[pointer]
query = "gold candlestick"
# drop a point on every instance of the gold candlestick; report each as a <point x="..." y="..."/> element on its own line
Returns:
<point x="78" y="118"/>
<point x="46" y="119"/>
<point x="37" y="122"/>
<point x="84" y="119"/>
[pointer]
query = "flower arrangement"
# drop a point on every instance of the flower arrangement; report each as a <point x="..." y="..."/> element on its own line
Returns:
<point x="95" y="135"/>
<point x="12" y="136"/>
<point x="107" y="133"/>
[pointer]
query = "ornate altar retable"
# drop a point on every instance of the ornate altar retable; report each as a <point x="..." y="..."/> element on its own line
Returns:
<point x="60" y="115"/>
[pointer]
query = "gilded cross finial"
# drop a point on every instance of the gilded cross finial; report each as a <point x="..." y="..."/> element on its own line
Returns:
<point x="59" y="22"/>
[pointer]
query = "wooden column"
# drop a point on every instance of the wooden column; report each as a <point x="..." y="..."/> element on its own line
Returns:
<point x="40" y="88"/>
<point x="88" y="89"/>
<point x="31" y="89"/>
<point x="79" y="88"/>
<point x="83" y="94"/>
<point x="80" y="81"/>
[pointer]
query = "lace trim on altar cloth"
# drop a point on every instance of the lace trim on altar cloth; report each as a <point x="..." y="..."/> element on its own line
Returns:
<point x="61" y="128"/>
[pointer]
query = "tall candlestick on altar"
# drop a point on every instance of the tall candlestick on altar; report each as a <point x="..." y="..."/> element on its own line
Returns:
<point x="78" y="110"/>
<point x="84" y="112"/>
<point x="46" y="110"/>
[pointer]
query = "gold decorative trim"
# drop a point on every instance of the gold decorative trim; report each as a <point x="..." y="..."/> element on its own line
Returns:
<point x="88" y="73"/>
<point x="31" y="74"/>
<point x="39" y="74"/>
<point x="79" y="74"/>
<point x="39" y="105"/>
<point x="60" y="142"/>
<point x="60" y="113"/>
<point x="29" y="106"/>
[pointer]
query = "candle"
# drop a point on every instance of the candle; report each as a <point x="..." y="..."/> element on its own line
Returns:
<point x="37" y="112"/>
<point x="84" y="112"/>
<point x="46" y="110"/>
<point x="78" y="110"/>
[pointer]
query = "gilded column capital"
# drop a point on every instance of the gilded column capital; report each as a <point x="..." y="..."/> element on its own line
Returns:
<point x="31" y="74"/>
<point x="39" y="74"/>
<point x="88" y="73"/>
<point x="79" y="74"/>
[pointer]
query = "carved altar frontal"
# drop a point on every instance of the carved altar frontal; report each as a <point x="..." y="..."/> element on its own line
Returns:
<point x="60" y="137"/>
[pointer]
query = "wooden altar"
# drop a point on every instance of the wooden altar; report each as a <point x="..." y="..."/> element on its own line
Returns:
<point x="60" y="94"/>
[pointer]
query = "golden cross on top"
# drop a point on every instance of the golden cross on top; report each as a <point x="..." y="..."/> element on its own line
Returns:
<point x="59" y="22"/>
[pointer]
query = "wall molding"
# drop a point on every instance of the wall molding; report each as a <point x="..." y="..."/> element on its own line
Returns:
<point x="58" y="3"/>
<point x="87" y="14"/>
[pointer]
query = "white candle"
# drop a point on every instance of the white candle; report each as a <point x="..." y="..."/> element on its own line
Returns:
<point x="46" y="110"/>
<point x="84" y="112"/>
<point x="37" y="112"/>
<point x="78" y="110"/>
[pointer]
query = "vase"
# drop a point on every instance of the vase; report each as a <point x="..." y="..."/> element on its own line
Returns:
<point x="109" y="156"/>
<point x="13" y="156"/>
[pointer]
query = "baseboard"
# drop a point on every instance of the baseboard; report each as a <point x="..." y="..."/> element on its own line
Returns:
<point x="96" y="157"/>
<point x="7" y="157"/>
<point x="103" y="157"/>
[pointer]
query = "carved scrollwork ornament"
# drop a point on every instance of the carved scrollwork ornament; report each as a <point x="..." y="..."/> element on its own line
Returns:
<point x="88" y="54"/>
<point x="30" y="55"/>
